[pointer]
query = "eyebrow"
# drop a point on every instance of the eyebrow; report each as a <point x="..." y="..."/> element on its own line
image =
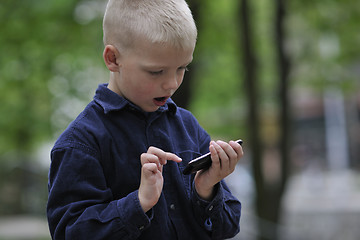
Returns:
<point x="150" y="65"/>
<point x="154" y="65"/>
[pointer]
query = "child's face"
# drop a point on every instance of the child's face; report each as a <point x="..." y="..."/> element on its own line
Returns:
<point x="150" y="73"/>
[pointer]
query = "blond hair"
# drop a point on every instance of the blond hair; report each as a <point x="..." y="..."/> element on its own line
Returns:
<point x="158" y="21"/>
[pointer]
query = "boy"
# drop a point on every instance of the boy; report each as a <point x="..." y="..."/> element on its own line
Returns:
<point x="116" y="171"/>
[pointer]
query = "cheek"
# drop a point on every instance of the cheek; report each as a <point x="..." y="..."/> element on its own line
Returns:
<point x="143" y="91"/>
<point x="181" y="80"/>
<point x="143" y="87"/>
<point x="181" y="77"/>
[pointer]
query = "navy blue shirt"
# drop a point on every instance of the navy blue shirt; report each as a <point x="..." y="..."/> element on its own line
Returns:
<point x="95" y="175"/>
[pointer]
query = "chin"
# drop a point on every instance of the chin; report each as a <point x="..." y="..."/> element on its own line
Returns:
<point x="150" y="109"/>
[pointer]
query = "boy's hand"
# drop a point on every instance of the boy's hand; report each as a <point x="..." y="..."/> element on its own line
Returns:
<point x="224" y="159"/>
<point x="151" y="183"/>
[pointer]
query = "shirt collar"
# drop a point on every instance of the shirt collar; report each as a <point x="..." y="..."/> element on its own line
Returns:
<point x="110" y="101"/>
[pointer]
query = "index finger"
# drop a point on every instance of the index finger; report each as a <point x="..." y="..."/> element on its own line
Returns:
<point x="172" y="157"/>
<point x="163" y="156"/>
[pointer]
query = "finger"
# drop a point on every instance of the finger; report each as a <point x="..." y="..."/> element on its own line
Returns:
<point x="149" y="169"/>
<point x="220" y="147"/>
<point x="163" y="156"/>
<point x="228" y="163"/>
<point x="221" y="156"/>
<point x="150" y="158"/>
<point x="237" y="148"/>
<point x="234" y="152"/>
<point x="214" y="156"/>
<point x="228" y="149"/>
<point x="160" y="154"/>
<point x="173" y="157"/>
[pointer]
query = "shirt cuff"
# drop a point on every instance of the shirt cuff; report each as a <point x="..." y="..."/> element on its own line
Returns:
<point x="209" y="206"/>
<point x="132" y="214"/>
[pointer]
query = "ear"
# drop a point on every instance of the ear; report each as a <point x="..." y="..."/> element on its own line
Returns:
<point x="111" y="57"/>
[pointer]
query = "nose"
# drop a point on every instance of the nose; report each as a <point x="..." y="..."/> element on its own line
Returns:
<point x="172" y="82"/>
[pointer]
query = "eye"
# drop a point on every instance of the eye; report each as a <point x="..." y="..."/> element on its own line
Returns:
<point x="154" y="73"/>
<point x="183" y="69"/>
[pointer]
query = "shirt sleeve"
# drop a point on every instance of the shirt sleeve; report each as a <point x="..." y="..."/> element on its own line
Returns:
<point x="80" y="206"/>
<point x="221" y="215"/>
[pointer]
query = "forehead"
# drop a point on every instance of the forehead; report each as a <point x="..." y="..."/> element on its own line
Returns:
<point x="160" y="54"/>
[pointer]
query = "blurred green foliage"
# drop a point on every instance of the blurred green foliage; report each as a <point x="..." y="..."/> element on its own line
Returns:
<point x="43" y="47"/>
<point x="323" y="41"/>
<point x="50" y="55"/>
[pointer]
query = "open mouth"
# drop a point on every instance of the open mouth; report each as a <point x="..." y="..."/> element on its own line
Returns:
<point x="160" y="101"/>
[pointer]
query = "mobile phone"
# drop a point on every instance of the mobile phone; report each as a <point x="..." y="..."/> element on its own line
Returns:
<point x="202" y="162"/>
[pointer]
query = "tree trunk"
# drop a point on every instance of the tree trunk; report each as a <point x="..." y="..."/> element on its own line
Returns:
<point x="251" y="89"/>
<point x="283" y="69"/>
<point x="182" y="96"/>
<point x="268" y="196"/>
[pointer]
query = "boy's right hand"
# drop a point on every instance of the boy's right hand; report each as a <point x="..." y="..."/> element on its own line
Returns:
<point x="151" y="183"/>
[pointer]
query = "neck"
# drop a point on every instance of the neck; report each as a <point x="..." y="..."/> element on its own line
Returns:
<point x="112" y="83"/>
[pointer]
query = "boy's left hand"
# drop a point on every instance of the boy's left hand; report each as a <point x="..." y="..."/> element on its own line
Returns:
<point x="224" y="157"/>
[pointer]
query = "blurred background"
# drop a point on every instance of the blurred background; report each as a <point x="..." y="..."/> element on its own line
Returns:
<point x="281" y="75"/>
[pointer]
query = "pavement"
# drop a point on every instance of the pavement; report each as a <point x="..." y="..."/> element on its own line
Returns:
<point x="23" y="227"/>
<point x="322" y="205"/>
<point x="318" y="205"/>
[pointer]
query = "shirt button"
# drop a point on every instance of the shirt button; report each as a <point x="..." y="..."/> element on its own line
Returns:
<point x="172" y="207"/>
<point x="211" y="207"/>
<point x="141" y="228"/>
